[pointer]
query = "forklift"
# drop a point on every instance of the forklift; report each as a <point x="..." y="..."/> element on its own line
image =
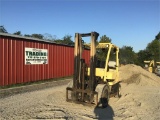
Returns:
<point x="91" y="84"/>
<point x="150" y="66"/>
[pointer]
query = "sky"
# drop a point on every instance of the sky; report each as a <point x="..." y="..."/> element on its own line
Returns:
<point x="132" y="23"/>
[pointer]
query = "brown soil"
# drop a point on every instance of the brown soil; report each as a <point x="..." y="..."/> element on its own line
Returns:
<point x="135" y="74"/>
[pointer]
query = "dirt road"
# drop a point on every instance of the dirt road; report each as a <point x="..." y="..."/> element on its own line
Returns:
<point x="138" y="101"/>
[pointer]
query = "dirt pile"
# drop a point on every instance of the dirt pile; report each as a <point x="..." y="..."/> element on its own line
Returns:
<point x="135" y="74"/>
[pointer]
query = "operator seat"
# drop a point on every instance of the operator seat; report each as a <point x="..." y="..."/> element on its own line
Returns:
<point x="111" y="65"/>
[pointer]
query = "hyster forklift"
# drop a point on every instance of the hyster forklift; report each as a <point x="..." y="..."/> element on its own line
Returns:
<point x="93" y="85"/>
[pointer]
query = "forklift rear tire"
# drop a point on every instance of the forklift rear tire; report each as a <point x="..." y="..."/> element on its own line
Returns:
<point x="103" y="95"/>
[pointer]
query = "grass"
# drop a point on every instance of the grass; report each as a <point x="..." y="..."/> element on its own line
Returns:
<point x="35" y="82"/>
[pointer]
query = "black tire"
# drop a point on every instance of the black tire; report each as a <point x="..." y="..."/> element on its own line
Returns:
<point x="103" y="95"/>
<point x="118" y="94"/>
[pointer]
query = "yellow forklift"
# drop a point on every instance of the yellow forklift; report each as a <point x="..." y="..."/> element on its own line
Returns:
<point x="149" y="66"/>
<point x="91" y="84"/>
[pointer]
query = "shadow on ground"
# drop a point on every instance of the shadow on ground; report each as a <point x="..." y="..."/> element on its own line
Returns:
<point x="104" y="113"/>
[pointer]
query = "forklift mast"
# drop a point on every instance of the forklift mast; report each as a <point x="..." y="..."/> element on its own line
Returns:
<point x="82" y="85"/>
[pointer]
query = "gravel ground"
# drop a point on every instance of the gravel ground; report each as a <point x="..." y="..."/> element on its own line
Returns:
<point x="139" y="101"/>
<point x="136" y="103"/>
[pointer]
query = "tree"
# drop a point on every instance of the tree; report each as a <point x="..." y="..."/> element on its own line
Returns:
<point x="142" y="55"/>
<point x="153" y="49"/>
<point x="102" y="53"/>
<point x="3" y="30"/>
<point x="39" y="36"/>
<point x="158" y="36"/>
<point x="59" y="41"/>
<point x="27" y="35"/>
<point x="127" y="55"/>
<point x="104" y="39"/>
<point x="151" y="52"/>
<point x="66" y="40"/>
<point x="49" y="37"/>
<point x="18" y="33"/>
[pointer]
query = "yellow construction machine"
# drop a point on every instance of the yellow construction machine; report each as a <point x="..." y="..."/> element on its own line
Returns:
<point x="91" y="84"/>
<point x="149" y="65"/>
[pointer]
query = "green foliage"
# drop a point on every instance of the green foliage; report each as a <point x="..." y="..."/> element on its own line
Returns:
<point x="66" y="40"/>
<point x="3" y="30"/>
<point x="104" y="39"/>
<point x="157" y="36"/>
<point x="39" y="36"/>
<point x="153" y="49"/>
<point x="127" y="55"/>
<point x="141" y="56"/>
<point x="27" y="35"/>
<point x="18" y="33"/>
<point x="102" y="54"/>
<point x="59" y="41"/>
<point x="49" y="37"/>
